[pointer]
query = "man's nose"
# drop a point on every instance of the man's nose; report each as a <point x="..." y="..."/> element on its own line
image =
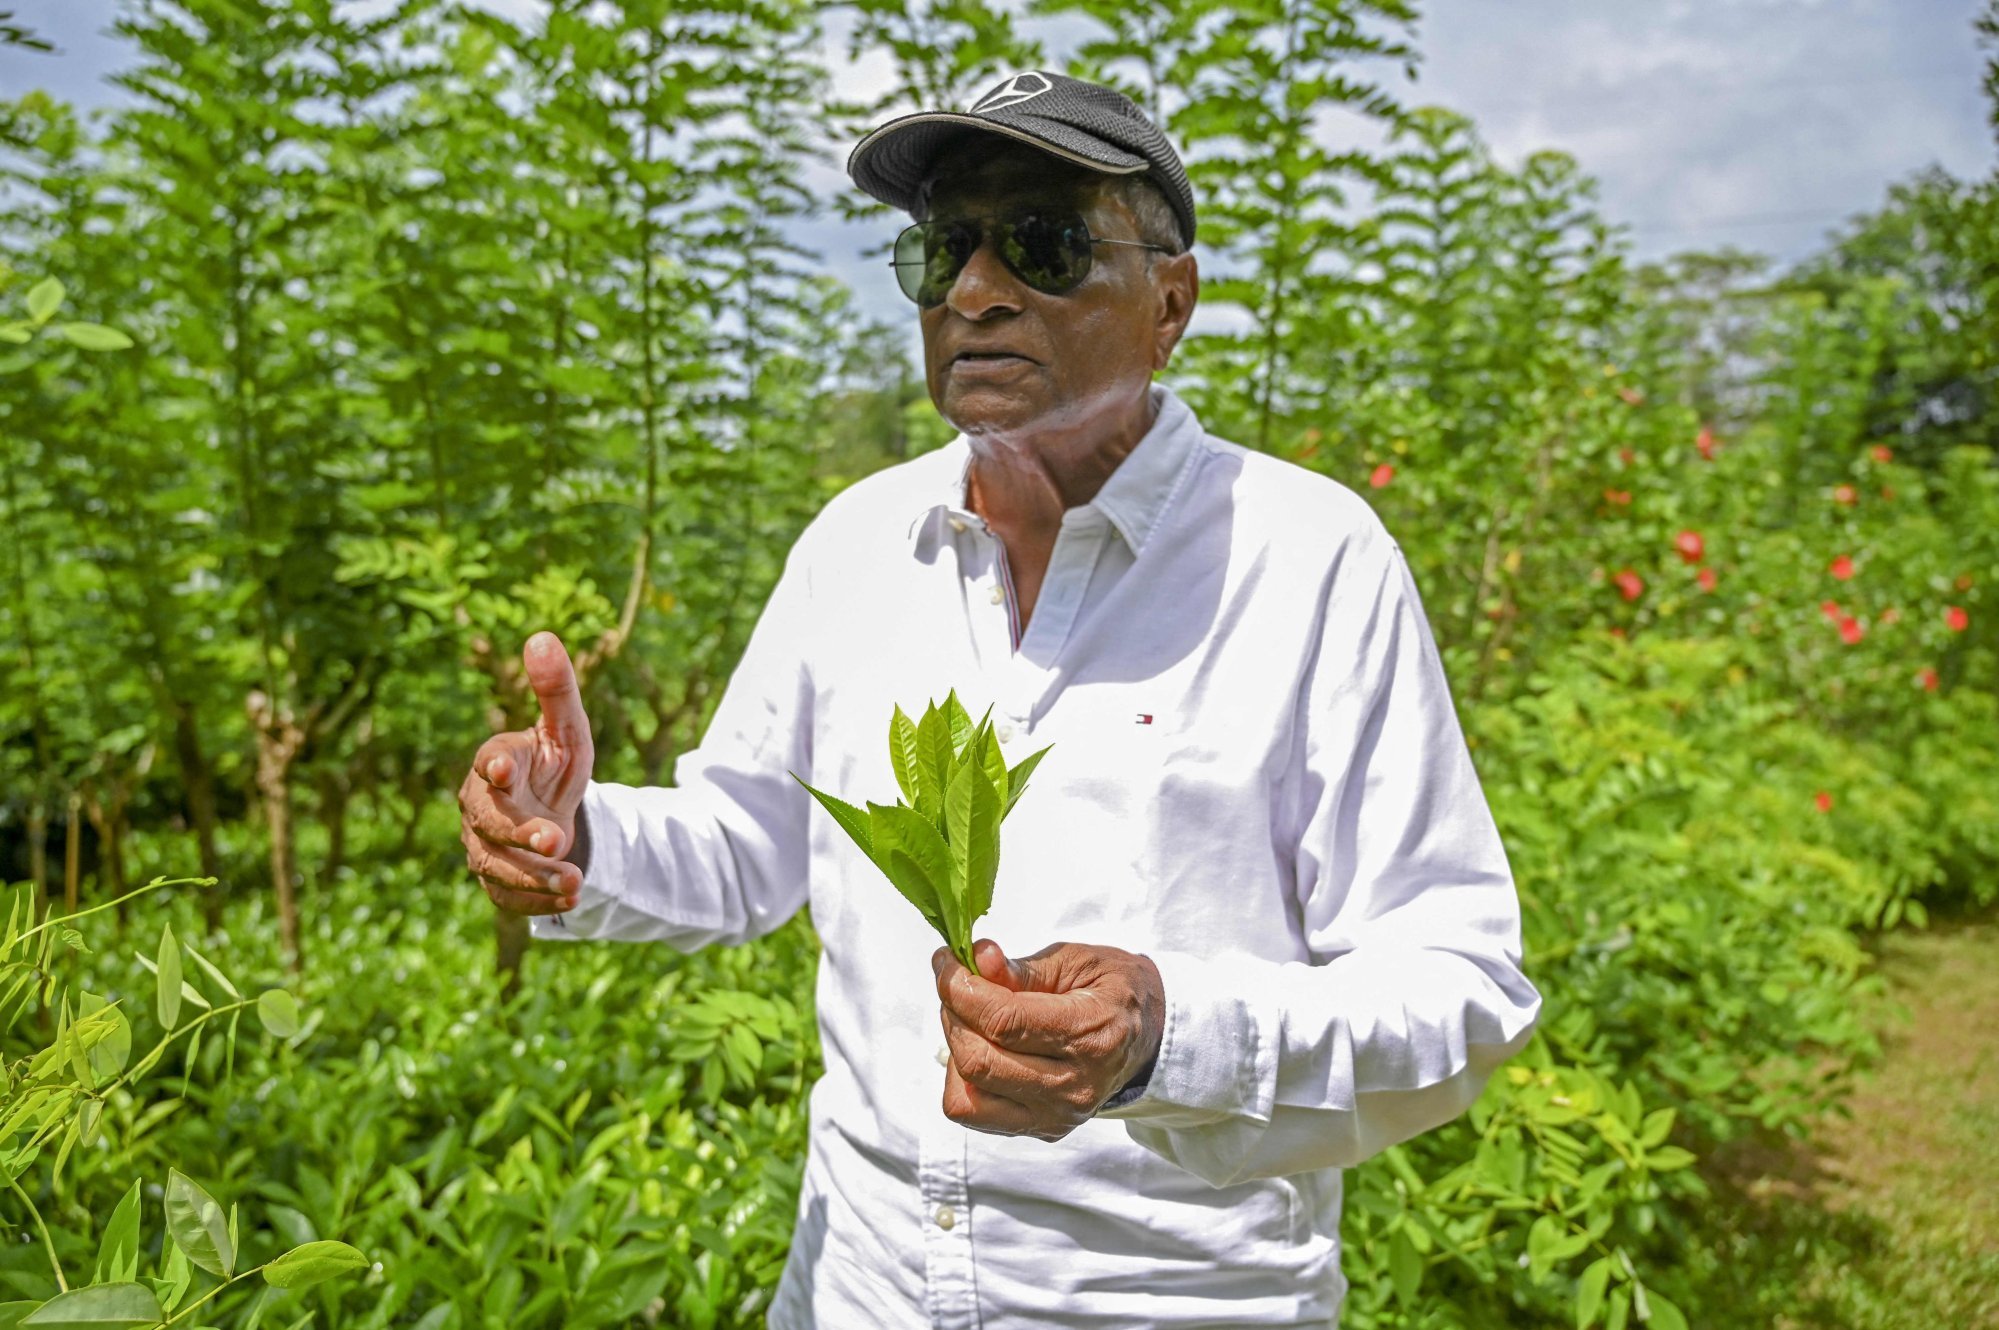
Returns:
<point x="984" y="284"/>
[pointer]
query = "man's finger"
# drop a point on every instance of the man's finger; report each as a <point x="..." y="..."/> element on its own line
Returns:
<point x="522" y="870"/>
<point x="1025" y="1078"/>
<point x="502" y="758"/>
<point x="982" y="1110"/>
<point x="553" y="679"/>
<point x="523" y="902"/>
<point x="497" y="827"/>
<point x="1045" y="1023"/>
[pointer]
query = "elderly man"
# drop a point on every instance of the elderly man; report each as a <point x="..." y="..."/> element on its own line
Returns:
<point x="1254" y="922"/>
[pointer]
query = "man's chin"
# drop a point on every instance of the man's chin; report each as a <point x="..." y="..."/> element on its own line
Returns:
<point x="978" y="409"/>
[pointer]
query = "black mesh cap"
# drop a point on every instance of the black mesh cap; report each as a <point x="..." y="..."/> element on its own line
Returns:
<point x="1079" y="122"/>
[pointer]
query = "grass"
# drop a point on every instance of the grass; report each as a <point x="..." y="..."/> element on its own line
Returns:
<point x="1889" y="1220"/>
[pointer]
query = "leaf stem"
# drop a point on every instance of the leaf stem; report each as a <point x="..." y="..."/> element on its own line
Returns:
<point x="62" y="1285"/>
<point x="106" y="905"/>
<point x="225" y="1284"/>
<point x="145" y="1063"/>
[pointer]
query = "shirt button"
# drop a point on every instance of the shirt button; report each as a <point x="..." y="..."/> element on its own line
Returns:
<point x="947" y="1218"/>
<point x="999" y="594"/>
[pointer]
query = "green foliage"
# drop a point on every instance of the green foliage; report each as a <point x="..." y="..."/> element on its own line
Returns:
<point x="81" y="1090"/>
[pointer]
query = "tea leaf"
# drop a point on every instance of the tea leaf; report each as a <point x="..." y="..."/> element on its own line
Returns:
<point x="993" y="760"/>
<point x="934" y="753"/>
<point x="913" y="856"/>
<point x="852" y="819"/>
<point x="973" y="807"/>
<point x="1016" y="778"/>
<point x="958" y="720"/>
<point x="902" y="755"/>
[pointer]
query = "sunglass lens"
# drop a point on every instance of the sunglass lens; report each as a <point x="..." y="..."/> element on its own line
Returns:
<point x="929" y="257"/>
<point x="1050" y="251"/>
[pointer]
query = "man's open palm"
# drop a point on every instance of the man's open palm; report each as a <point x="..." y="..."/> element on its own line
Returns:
<point x="517" y="806"/>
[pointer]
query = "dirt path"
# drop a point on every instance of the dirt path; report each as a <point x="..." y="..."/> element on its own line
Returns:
<point x="1892" y="1221"/>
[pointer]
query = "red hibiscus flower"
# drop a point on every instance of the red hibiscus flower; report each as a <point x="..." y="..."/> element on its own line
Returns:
<point x="1927" y="677"/>
<point x="1706" y="579"/>
<point x="1882" y="452"/>
<point x="1891" y="615"/>
<point x="1706" y="443"/>
<point x="1381" y="475"/>
<point x="1823" y="800"/>
<point x="1629" y="584"/>
<point x="1851" y="630"/>
<point x="1844" y="494"/>
<point x="1956" y="619"/>
<point x="1626" y="456"/>
<point x="1622" y="498"/>
<point x="1690" y="546"/>
<point x="1841" y="568"/>
<point x="1829" y="608"/>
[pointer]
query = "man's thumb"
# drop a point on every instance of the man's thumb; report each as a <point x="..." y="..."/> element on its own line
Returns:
<point x="995" y="968"/>
<point x="553" y="679"/>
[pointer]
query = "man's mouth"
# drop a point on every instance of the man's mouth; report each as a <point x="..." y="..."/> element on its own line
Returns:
<point x="986" y="355"/>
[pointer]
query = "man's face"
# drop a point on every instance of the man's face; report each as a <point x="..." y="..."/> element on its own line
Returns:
<point x="1070" y="362"/>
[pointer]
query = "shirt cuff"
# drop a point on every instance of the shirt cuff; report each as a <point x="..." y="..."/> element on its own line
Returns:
<point x="1217" y="1053"/>
<point x="599" y="854"/>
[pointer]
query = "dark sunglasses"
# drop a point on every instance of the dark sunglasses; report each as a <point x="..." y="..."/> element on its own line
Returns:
<point x="1049" y="249"/>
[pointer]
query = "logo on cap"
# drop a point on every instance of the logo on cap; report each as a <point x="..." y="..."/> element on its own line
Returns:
<point x="1015" y="90"/>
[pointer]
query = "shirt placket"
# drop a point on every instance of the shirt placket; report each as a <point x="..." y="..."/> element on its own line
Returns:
<point x="950" y="1283"/>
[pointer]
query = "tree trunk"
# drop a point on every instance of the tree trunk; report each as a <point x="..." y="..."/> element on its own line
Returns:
<point x="510" y="944"/>
<point x="279" y="739"/>
<point x="334" y="789"/>
<point x="105" y="807"/>
<point x="274" y="785"/>
<point x="198" y="787"/>
<point x="72" y="852"/>
<point x="38" y="854"/>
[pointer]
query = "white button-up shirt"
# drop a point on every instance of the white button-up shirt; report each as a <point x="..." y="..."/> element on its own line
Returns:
<point x="1258" y="780"/>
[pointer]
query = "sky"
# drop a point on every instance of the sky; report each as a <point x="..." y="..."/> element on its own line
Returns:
<point x="1759" y="124"/>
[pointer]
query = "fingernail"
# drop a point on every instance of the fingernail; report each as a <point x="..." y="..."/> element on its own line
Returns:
<point x="539" y="841"/>
<point x="554" y="881"/>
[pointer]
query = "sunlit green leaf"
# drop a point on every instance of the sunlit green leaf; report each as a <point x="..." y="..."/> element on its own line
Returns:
<point x="198" y="1226"/>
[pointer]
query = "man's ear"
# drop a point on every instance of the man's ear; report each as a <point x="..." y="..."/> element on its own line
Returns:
<point x="1177" y="280"/>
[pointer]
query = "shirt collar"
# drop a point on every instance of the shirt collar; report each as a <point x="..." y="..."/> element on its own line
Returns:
<point x="1133" y="497"/>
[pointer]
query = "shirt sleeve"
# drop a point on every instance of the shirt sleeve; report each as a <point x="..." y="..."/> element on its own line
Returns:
<point x="1414" y="992"/>
<point x="720" y="856"/>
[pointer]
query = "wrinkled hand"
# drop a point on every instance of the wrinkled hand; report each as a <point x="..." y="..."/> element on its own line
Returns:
<point x="1038" y="1044"/>
<point x="517" y="807"/>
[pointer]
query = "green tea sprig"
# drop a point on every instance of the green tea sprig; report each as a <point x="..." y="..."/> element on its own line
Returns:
<point x="939" y="844"/>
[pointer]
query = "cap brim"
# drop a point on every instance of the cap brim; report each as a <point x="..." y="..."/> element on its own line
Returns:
<point x="890" y="163"/>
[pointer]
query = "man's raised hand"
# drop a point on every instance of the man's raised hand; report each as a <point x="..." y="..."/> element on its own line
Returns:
<point x="517" y="806"/>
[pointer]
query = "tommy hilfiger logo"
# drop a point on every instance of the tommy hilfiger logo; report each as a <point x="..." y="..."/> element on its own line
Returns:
<point x="1015" y="90"/>
<point x="1145" y="718"/>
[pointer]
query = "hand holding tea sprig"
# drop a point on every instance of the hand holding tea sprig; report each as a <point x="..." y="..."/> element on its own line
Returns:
<point x="1037" y="1045"/>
